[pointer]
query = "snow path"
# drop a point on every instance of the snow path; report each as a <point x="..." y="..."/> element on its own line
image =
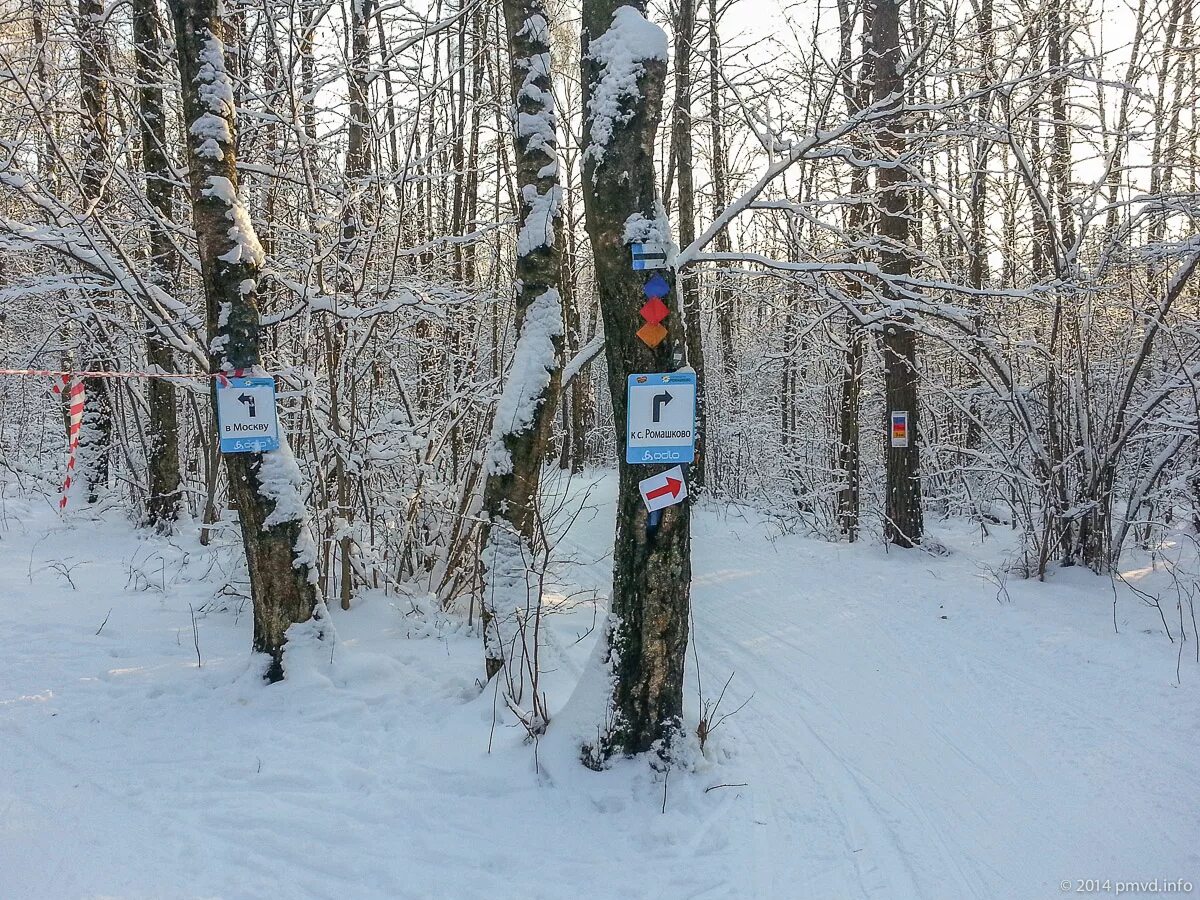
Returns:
<point x="887" y="752"/>
<point x="992" y="753"/>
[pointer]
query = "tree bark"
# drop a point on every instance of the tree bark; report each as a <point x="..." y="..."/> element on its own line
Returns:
<point x="648" y="623"/>
<point x="266" y="487"/>
<point x="903" y="523"/>
<point x="571" y="453"/>
<point x="163" y="500"/>
<point x="524" y="417"/>
<point x="978" y="265"/>
<point x="857" y="96"/>
<point x="95" y="436"/>
<point x="848" y="433"/>
<point x="354" y="210"/>
<point x="580" y="386"/>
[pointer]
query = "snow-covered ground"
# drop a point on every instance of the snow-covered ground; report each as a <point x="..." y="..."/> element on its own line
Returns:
<point x="913" y="730"/>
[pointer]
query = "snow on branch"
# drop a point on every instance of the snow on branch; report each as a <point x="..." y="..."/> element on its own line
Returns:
<point x="583" y="357"/>
<point x="81" y="249"/>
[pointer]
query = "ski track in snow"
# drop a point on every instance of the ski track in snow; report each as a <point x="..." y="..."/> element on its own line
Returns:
<point x="994" y="753"/>
<point x="887" y="752"/>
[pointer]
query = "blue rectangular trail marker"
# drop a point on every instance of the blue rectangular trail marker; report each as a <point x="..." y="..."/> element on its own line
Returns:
<point x="650" y="255"/>
<point x="661" y="418"/>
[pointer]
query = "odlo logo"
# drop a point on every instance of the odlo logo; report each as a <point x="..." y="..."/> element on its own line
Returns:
<point x="661" y="455"/>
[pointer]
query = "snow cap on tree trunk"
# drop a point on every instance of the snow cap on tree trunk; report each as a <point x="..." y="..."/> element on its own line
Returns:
<point x="639" y="229"/>
<point x="215" y="90"/>
<point x="630" y="41"/>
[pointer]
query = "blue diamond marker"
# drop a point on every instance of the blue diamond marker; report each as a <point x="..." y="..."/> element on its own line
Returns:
<point x="657" y="287"/>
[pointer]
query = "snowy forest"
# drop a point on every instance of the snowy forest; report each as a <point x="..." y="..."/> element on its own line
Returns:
<point x="930" y="556"/>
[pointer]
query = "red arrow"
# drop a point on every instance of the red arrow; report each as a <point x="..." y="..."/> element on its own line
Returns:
<point x="671" y="487"/>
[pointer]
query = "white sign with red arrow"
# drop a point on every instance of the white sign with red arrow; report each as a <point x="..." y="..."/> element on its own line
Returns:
<point x="664" y="489"/>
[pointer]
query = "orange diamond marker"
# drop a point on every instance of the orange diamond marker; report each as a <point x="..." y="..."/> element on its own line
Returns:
<point x="652" y="334"/>
<point x="654" y="311"/>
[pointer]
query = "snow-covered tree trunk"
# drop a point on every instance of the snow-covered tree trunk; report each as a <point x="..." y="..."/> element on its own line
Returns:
<point x="355" y="208"/>
<point x="525" y="414"/>
<point x="578" y="407"/>
<point x="857" y="95"/>
<point x="266" y="487"/>
<point x="95" y="436"/>
<point x="978" y="262"/>
<point x="624" y="69"/>
<point x="571" y="454"/>
<point x="849" y="436"/>
<point x="903" y="522"/>
<point x="47" y="161"/>
<point x="163" y="499"/>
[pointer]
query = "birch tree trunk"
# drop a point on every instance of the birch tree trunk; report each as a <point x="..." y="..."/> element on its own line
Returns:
<point x="525" y="414"/>
<point x="624" y="67"/>
<point x="266" y="487"/>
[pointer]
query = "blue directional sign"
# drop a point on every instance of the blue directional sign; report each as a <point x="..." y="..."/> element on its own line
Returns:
<point x="661" y="418"/>
<point x="650" y="255"/>
<point x="246" y="419"/>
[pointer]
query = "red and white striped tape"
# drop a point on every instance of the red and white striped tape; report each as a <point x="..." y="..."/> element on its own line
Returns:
<point x="75" y="395"/>
<point x="73" y="381"/>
